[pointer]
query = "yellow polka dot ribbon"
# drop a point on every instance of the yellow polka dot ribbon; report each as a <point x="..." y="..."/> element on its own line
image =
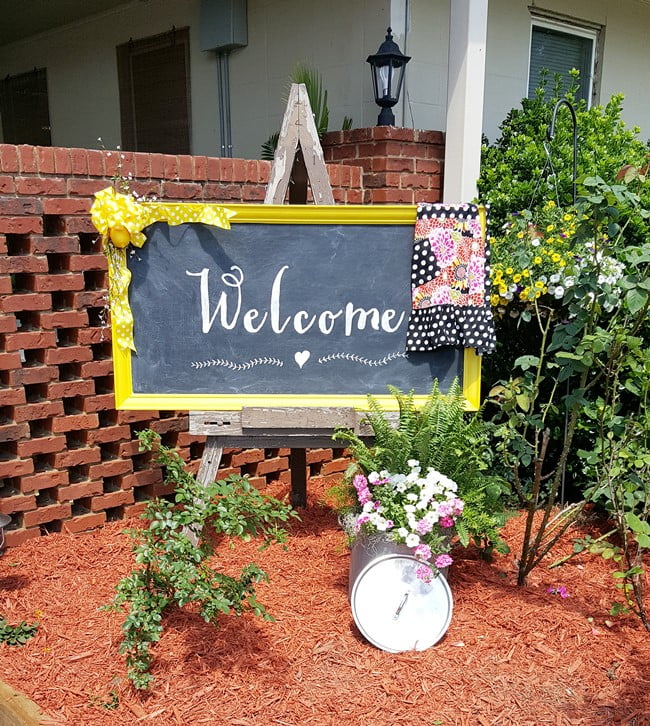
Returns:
<point x="120" y="219"/>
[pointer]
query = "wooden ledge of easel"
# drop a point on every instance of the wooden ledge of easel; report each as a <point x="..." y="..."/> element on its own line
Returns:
<point x="291" y="423"/>
<point x="293" y="427"/>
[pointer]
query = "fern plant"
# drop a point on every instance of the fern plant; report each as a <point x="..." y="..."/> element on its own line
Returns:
<point x="440" y="435"/>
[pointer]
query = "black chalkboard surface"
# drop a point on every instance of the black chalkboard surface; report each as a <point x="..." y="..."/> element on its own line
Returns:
<point x="279" y="312"/>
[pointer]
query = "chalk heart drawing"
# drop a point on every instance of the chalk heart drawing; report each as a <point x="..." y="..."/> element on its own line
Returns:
<point x="302" y="356"/>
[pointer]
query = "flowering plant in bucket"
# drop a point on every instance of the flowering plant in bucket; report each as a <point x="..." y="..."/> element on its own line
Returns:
<point x="423" y="465"/>
<point x="418" y="509"/>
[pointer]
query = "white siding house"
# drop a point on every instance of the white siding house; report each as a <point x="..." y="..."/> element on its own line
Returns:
<point x="66" y="54"/>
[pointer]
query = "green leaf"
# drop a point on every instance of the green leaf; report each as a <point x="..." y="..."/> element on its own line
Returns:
<point x="635" y="299"/>
<point x="527" y="361"/>
<point x="643" y="540"/>
<point x="637" y="525"/>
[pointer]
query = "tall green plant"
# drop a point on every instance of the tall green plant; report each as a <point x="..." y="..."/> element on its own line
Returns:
<point x="600" y="324"/>
<point x="317" y="94"/>
<point x="172" y="555"/>
<point x="441" y="435"/>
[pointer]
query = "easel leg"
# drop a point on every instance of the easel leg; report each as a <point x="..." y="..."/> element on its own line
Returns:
<point x="298" y="466"/>
<point x="210" y="461"/>
<point x="208" y="470"/>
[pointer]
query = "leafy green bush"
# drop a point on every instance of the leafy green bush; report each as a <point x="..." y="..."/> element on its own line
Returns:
<point x="515" y="169"/>
<point x="591" y="366"/>
<point x="519" y="180"/>
<point x="571" y="291"/>
<point x="172" y="555"/>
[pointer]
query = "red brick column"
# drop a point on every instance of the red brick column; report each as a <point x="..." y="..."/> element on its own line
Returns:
<point x="400" y="166"/>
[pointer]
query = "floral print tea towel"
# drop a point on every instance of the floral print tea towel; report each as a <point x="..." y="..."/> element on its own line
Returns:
<point x="449" y="280"/>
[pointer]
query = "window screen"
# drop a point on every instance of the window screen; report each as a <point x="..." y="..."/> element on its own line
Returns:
<point x="24" y="109"/>
<point x="559" y="52"/>
<point x="154" y="93"/>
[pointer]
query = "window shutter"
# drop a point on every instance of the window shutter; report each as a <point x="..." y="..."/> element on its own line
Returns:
<point x="154" y="93"/>
<point x="559" y="52"/>
<point x="24" y="109"/>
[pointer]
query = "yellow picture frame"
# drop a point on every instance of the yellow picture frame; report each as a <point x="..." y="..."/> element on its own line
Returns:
<point x="127" y="398"/>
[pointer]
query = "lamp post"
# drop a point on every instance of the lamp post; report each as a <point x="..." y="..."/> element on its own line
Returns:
<point x="387" y="67"/>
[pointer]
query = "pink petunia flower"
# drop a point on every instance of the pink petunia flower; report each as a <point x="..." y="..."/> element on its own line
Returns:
<point x="424" y="573"/>
<point x="361" y="520"/>
<point x="422" y="551"/>
<point x="561" y="591"/>
<point x="443" y="561"/>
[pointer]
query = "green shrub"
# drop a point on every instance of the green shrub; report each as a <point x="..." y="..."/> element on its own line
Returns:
<point x="516" y="172"/>
<point x="172" y="555"/>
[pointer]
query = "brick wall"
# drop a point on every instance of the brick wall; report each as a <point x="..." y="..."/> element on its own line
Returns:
<point x="68" y="460"/>
<point x="400" y="166"/>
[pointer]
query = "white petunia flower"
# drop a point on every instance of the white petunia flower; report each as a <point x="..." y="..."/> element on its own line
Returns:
<point x="412" y="540"/>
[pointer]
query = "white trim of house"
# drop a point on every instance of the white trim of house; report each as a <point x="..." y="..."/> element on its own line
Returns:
<point x="465" y="93"/>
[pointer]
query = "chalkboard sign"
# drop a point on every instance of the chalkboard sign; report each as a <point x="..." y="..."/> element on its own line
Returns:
<point x="293" y="306"/>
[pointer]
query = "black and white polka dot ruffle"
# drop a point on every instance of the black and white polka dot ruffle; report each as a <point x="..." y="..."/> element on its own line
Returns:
<point x="450" y="280"/>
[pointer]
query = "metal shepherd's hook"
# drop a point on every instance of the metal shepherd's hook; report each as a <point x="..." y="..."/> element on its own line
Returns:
<point x="550" y="133"/>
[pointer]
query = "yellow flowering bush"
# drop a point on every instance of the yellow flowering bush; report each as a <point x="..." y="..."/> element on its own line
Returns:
<point x="532" y="257"/>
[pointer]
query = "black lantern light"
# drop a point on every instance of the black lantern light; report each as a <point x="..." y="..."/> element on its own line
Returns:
<point x="387" y="68"/>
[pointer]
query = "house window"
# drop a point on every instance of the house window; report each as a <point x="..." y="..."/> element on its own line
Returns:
<point x="558" y="48"/>
<point x="24" y="109"/>
<point x="154" y="82"/>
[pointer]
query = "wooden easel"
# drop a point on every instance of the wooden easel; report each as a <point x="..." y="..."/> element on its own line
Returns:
<point x="298" y="150"/>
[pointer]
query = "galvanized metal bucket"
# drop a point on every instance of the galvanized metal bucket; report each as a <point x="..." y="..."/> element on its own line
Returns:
<point x="393" y="608"/>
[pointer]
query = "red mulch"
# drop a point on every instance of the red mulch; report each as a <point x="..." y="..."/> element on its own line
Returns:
<point x="511" y="655"/>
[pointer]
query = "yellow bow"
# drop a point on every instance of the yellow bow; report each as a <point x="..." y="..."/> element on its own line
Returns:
<point x="120" y="219"/>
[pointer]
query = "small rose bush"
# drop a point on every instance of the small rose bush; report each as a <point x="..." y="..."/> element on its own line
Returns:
<point x="419" y="509"/>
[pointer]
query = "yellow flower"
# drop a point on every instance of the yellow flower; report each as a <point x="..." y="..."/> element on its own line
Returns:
<point x="538" y="260"/>
<point x="556" y="257"/>
<point x="550" y="227"/>
<point x="550" y="204"/>
<point x="538" y="293"/>
<point x="494" y="300"/>
<point x="520" y="235"/>
<point x="525" y="273"/>
<point x="509" y="271"/>
<point x="562" y="263"/>
<point x="503" y="289"/>
<point x="516" y="278"/>
<point x="539" y="284"/>
<point x="567" y="218"/>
